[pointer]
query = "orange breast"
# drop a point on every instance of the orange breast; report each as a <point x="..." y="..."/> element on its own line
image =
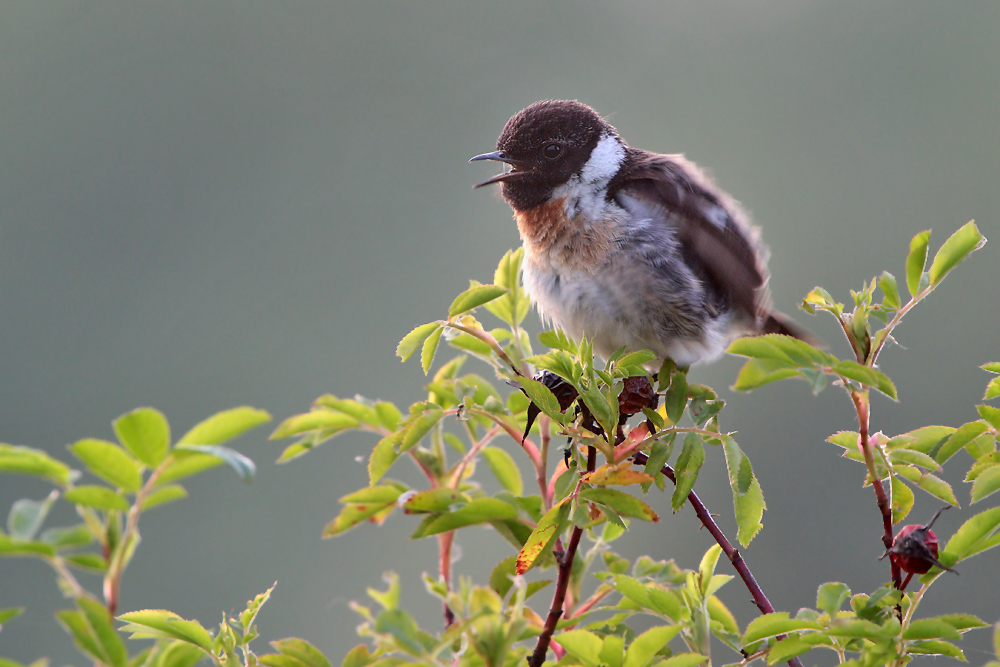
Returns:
<point x="553" y="239"/>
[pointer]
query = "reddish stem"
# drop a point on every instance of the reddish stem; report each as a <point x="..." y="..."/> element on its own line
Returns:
<point x="562" y="583"/>
<point x="445" y="541"/>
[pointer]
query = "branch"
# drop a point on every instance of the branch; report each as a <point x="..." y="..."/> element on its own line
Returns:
<point x="562" y="583"/>
<point x="861" y="407"/>
<point x="734" y="556"/>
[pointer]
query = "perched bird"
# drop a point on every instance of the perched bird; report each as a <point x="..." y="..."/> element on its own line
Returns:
<point x="628" y="247"/>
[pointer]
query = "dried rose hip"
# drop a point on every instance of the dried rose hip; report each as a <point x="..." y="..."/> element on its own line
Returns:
<point x="915" y="548"/>
<point x="637" y="393"/>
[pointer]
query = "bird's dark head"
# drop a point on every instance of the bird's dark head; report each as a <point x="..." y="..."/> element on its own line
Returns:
<point x="547" y="145"/>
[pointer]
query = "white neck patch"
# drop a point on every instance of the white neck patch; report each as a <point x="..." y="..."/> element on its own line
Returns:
<point x="604" y="160"/>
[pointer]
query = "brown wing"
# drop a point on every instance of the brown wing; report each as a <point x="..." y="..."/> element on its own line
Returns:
<point x="710" y="225"/>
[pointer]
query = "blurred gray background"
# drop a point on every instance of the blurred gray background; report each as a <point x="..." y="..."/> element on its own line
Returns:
<point x="204" y="205"/>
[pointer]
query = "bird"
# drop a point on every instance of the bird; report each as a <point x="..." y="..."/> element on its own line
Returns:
<point x="627" y="247"/>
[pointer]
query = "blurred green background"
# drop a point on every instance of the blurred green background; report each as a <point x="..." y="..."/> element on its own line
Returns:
<point x="204" y="205"/>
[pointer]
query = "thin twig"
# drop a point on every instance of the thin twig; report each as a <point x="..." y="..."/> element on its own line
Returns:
<point x="562" y="583"/>
<point x="445" y="541"/>
<point x="545" y="431"/>
<point x="734" y="556"/>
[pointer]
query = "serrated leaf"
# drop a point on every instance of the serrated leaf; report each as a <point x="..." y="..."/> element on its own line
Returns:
<point x="771" y="625"/>
<point x="302" y="651"/>
<point x="31" y="461"/>
<point x="620" y="474"/>
<point x="930" y="628"/>
<point x="959" y="439"/>
<point x="382" y="457"/>
<point x="887" y="283"/>
<point x="786" y="649"/>
<point x="433" y="500"/>
<point x="758" y="372"/>
<point x="353" y="514"/>
<point x="583" y="645"/>
<point x="986" y="484"/>
<point x="243" y="466"/>
<point x="75" y="624"/>
<point x="500" y="578"/>
<point x="903" y="455"/>
<point x="916" y="260"/>
<point x="475" y="297"/>
<point x="429" y="349"/>
<point x="97" y="622"/>
<point x="542" y="537"/>
<point x="357" y="657"/>
<point x="109" y="462"/>
<point x="682" y="660"/>
<point x="99" y="497"/>
<point x="163" y="495"/>
<point x="866" y="376"/>
<point x="645" y="646"/>
<point x="958" y="246"/>
<point x="831" y="596"/>
<point x="990" y="414"/>
<point x="542" y="397"/>
<point x="373" y="494"/>
<point x="145" y="433"/>
<point x="413" y="340"/>
<point x="974" y="531"/>
<point x="748" y="498"/>
<point x="321" y="419"/>
<point x="936" y="647"/>
<point x="478" y="511"/>
<point x="902" y="500"/>
<point x="224" y="426"/>
<point x="622" y="503"/>
<point x="686" y="470"/>
<point x="504" y="469"/>
<point x="170" y="625"/>
<point x="992" y="389"/>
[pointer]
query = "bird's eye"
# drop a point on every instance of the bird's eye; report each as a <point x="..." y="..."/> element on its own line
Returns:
<point x="552" y="151"/>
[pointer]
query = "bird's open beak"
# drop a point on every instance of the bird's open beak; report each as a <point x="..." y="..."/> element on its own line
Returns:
<point x="519" y="168"/>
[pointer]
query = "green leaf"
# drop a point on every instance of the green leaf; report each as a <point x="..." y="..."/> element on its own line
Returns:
<point x="318" y="419"/>
<point x="373" y="494"/>
<point x="504" y="469"/>
<point x="109" y="462"/>
<point x="748" y="498"/>
<point x="353" y="514"/>
<point x="644" y="647"/>
<point x="542" y="537"/>
<point x="87" y="561"/>
<point x="418" y="427"/>
<point x="542" y="397"/>
<point x="992" y="389"/>
<point x="99" y="497"/>
<point x="10" y="614"/>
<point x="177" y="654"/>
<point x="301" y="650"/>
<point x="903" y="455"/>
<point x="224" y="426"/>
<point x="31" y="461"/>
<point x="243" y="466"/>
<point x="357" y="657"/>
<point x="778" y="623"/>
<point x="779" y="347"/>
<point x="481" y="510"/>
<point x="990" y="414"/>
<point x="75" y="623"/>
<point x="686" y="471"/>
<point x="930" y="483"/>
<point x="95" y="620"/>
<point x="433" y="500"/>
<point x="168" y="624"/>
<point x="887" y="283"/>
<point x="830" y="597"/>
<point x="146" y="433"/>
<point x="622" y="503"/>
<point x="69" y="537"/>
<point x="758" y="372"/>
<point x="413" y="340"/>
<point x="475" y="297"/>
<point x="973" y="532"/>
<point x="558" y="340"/>
<point x="959" y="439"/>
<point x="786" y="649"/>
<point x="683" y="660"/>
<point x="963" y="622"/>
<point x="916" y="260"/>
<point x="500" y="578"/>
<point x="958" y="246"/>
<point x="930" y="628"/>
<point x="676" y="398"/>
<point x="430" y="348"/>
<point x="902" y="500"/>
<point x="186" y="463"/>
<point x="583" y="645"/>
<point x="986" y="484"/>
<point x="936" y="647"/>
<point x="26" y="516"/>
<point x="382" y="457"/>
<point x="163" y="495"/>
<point x="866" y="376"/>
<point x="11" y="547"/>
